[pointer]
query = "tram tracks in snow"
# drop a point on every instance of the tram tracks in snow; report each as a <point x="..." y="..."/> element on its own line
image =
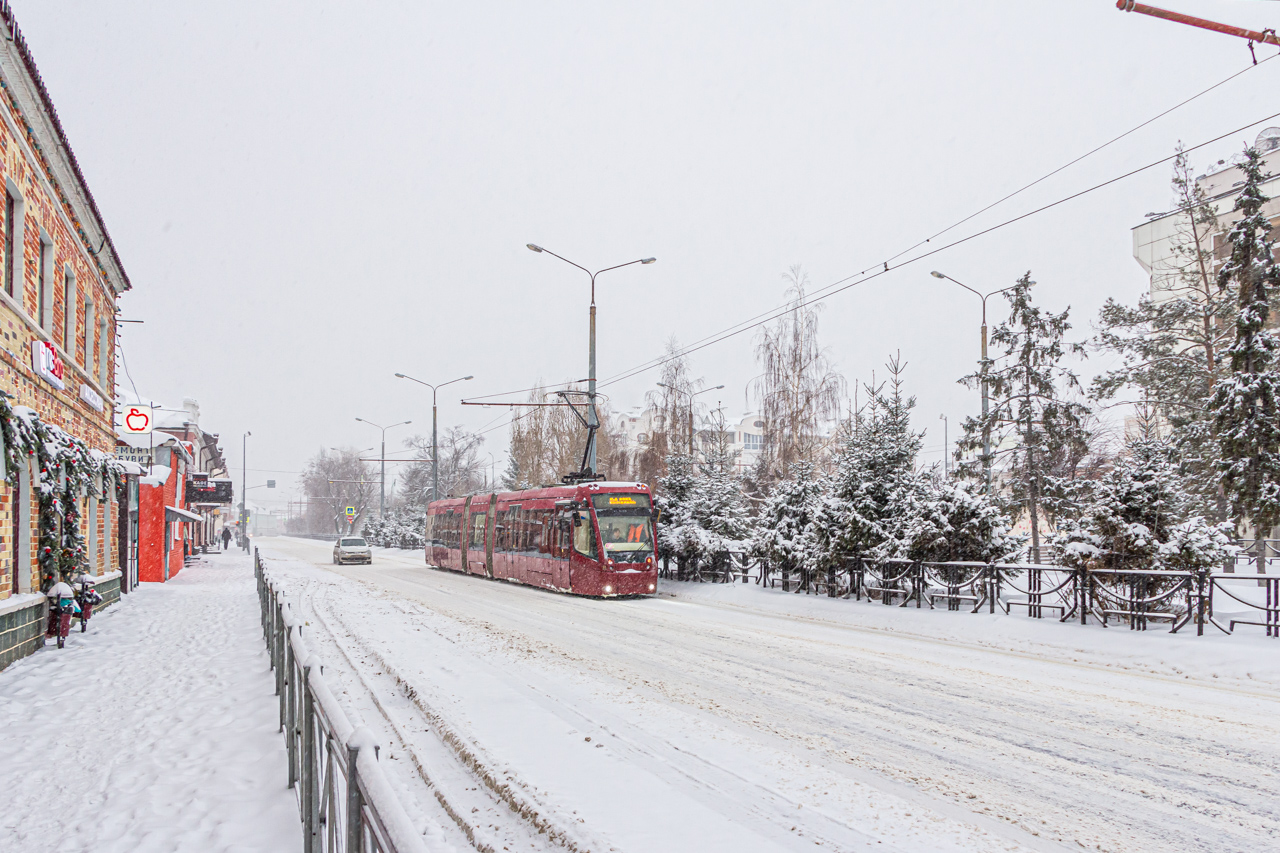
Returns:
<point x="491" y="809"/>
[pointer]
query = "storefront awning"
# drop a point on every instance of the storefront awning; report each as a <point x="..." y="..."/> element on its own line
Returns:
<point x="172" y="513"/>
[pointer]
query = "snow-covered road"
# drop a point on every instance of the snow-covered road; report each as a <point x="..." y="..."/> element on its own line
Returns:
<point x="155" y="731"/>
<point x="738" y="719"/>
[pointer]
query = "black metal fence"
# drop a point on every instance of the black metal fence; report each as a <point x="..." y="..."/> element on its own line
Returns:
<point x="345" y="801"/>
<point x="1137" y="599"/>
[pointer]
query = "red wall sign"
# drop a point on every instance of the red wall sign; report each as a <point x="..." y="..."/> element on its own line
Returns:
<point x="47" y="363"/>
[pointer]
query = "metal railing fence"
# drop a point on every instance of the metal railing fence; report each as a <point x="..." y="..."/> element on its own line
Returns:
<point x="344" y="799"/>
<point x="1134" y="598"/>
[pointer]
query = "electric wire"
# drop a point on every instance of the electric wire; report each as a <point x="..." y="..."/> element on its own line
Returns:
<point x="832" y="289"/>
<point x="885" y="267"/>
<point x="772" y="313"/>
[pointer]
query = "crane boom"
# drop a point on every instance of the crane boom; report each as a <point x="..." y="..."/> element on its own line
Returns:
<point x="1262" y="37"/>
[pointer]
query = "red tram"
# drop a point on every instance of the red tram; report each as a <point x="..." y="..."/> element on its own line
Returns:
<point x="592" y="538"/>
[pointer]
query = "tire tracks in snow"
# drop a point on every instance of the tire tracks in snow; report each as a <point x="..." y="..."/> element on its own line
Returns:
<point x="520" y="818"/>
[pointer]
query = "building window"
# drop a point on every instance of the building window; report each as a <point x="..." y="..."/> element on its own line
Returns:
<point x="10" y="226"/>
<point x="44" y="286"/>
<point x="69" y="303"/>
<point x="87" y="335"/>
<point x="751" y="441"/>
<point x="104" y="352"/>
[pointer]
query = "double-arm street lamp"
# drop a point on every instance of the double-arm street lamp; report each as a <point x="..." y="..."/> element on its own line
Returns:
<point x="691" y="394"/>
<point x="593" y="418"/>
<point x="983" y="368"/>
<point x="435" y="453"/>
<point x="382" y="489"/>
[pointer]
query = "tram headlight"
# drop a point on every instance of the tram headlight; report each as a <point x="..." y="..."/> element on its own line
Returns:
<point x="607" y="589"/>
<point x="652" y="587"/>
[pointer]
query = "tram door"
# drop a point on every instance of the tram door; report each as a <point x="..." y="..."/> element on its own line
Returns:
<point x="478" y="552"/>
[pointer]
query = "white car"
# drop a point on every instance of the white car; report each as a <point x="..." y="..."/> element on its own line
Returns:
<point x="352" y="549"/>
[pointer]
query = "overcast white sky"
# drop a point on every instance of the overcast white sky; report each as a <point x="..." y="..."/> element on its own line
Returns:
<point x="312" y="196"/>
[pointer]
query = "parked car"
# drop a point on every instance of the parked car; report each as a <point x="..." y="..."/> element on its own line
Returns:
<point x="352" y="549"/>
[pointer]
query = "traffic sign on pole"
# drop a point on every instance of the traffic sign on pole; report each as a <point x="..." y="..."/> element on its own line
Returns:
<point x="350" y="512"/>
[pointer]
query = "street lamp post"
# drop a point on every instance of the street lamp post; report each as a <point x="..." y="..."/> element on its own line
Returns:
<point x="244" y="479"/>
<point x="593" y="418"/>
<point x="691" y="396"/>
<point x="435" y="454"/>
<point x="945" y="446"/>
<point x="984" y="366"/>
<point x="382" y="489"/>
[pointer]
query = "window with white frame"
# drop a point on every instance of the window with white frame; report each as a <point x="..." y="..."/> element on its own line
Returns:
<point x="70" y="303"/>
<point x="751" y="441"/>
<point x="104" y="351"/>
<point x="86" y="335"/>
<point x="12" y="241"/>
<point x="44" y="284"/>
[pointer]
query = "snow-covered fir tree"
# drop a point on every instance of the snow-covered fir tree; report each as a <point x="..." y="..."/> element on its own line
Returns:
<point x="1045" y="432"/>
<point x="1141" y="517"/>
<point x="1245" y="404"/>
<point x="784" y="534"/>
<point x="704" y="512"/>
<point x="1171" y="349"/>
<point x="863" y="513"/>
<point x="1130" y="513"/>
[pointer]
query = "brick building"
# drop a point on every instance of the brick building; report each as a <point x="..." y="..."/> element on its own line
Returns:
<point x="60" y="277"/>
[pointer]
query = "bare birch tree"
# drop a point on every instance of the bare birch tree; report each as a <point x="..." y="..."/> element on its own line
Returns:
<point x="799" y="391"/>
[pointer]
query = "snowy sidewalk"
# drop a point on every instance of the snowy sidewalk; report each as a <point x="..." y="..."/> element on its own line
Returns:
<point x="154" y="731"/>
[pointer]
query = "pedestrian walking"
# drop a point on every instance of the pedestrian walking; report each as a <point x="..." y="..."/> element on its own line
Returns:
<point x="226" y="538"/>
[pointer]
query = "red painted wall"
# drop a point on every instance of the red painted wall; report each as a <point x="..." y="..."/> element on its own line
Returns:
<point x="151" y="529"/>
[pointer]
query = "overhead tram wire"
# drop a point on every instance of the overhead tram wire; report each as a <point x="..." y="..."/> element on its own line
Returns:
<point x="843" y="284"/>
<point x="752" y="322"/>
<point x="879" y="265"/>
<point x="1084" y="156"/>
<point x="832" y="289"/>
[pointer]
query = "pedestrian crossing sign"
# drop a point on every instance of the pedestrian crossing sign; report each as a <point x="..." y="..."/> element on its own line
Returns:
<point x="350" y="511"/>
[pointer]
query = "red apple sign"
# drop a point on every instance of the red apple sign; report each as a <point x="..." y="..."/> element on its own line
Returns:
<point x="138" y="419"/>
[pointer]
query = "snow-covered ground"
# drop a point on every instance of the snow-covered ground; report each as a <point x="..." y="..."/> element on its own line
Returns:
<point x="156" y="730"/>
<point x="739" y="719"/>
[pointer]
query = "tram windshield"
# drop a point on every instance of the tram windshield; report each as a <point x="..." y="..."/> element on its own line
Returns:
<point x="624" y="527"/>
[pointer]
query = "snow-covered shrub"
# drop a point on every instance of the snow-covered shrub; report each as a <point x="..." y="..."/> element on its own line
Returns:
<point x="402" y="528"/>
<point x="954" y="522"/>
<point x="1135" y="521"/>
<point x="1197" y="546"/>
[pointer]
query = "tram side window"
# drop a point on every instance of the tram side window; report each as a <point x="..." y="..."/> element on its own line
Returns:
<point x="450" y="532"/>
<point x="584" y="537"/>
<point x="477" y="530"/>
<point x="431" y="529"/>
<point x="514" y="525"/>
<point x="501" y="537"/>
<point x="540" y="540"/>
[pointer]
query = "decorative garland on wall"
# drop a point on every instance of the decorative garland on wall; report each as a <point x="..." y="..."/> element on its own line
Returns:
<point x="69" y="470"/>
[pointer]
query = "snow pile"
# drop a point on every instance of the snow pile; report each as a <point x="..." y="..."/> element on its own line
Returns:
<point x="154" y="731"/>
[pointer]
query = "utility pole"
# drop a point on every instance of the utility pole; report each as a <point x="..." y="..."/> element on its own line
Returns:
<point x="435" y="449"/>
<point x="382" y="488"/>
<point x="593" y="417"/>
<point x="983" y="369"/>
<point x="946" y="442"/>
